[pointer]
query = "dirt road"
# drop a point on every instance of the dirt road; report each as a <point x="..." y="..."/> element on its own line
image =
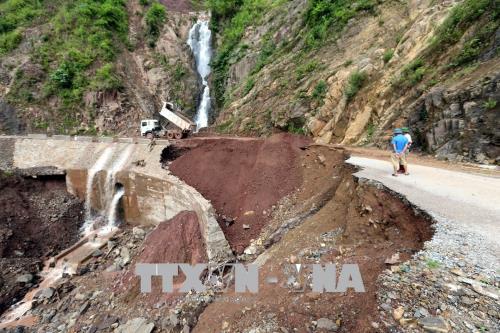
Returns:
<point x="470" y="200"/>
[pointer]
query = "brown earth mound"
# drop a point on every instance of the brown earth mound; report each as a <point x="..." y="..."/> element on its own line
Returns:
<point x="177" y="240"/>
<point x="243" y="178"/>
<point x="38" y="218"/>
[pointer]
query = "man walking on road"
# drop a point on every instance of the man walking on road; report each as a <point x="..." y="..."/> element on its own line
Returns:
<point x="399" y="145"/>
<point x="406" y="133"/>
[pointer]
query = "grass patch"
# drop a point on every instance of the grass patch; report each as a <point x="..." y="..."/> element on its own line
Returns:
<point x="355" y="83"/>
<point x="266" y="51"/>
<point x="10" y="40"/>
<point x="490" y="104"/>
<point x="106" y="79"/>
<point x="461" y="17"/>
<point x="14" y="15"/>
<point x="370" y="129"/>
<point x="78" y="44"/>
<point x="388" y="54"/>
<point x="326" y="18"/>
<point x="319" y="91"/>
<point x="305" y="69"/>
<point x="155" y="18"/>
<point x="248" y="85"/>
<point x="225" y="127"/>
<point x="296" y="126"/>
<point x="412" y="74"/>
<point x="432" y="264"/>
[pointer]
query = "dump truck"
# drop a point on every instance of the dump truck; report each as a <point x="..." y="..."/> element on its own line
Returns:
<point x="176" y="126"/>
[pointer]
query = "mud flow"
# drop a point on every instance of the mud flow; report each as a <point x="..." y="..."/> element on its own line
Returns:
<point x="38" y="219"/>
<point x="282" y="204"/>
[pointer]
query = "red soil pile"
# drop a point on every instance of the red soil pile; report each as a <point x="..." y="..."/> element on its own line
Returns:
<point x="177" y="240"/>
<point x="243" y="178"/>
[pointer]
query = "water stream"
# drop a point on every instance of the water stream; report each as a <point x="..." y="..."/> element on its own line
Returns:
<point x="98" y="166"/>
<point x="199" y="41"/>
<point x="111" y="196"/>
<point x="113" y="207"/>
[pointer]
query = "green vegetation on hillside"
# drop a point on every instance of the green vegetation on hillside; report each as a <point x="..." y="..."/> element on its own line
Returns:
<point x="155" y="17"/>
<point x="85" y="34"/>
<point x="478" y="21"/>
<point x="461" y="18"/>
<point x="327" y="17"/>
<point x="73" y="50"/>
<point x="354" y="84"/>
<point x="231" y="18"/>
<point x="322" y="19"/>
<point x="14" y="16"/>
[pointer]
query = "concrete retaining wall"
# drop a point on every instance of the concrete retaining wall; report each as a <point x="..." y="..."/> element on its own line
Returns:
<point x="152" y="194"/>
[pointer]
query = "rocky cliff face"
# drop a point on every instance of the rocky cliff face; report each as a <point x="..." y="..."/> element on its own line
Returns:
<point x="430" y="65"/>
<point x="108" y="94"/>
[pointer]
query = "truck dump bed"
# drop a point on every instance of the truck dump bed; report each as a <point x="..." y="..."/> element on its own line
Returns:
<point x="179" y="120"/>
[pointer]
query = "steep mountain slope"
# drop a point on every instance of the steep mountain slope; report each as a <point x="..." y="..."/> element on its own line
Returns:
<point x="91" y="66"/>
<point x="348" y="72"/>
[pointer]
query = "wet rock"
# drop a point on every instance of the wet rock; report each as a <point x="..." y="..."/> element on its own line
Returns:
<point x="124" y="256"/>
<point x="421" y="312"/>
<point x="138" y="232"/>
<point x="47" y="316"/>
<point x="434" y="324"/>
<point x="110" y="245"/>
<point x="251" y="250"/>
<point x="327" y="324"/>
<point x="44" y="294"/>
<point x="25" y="278"/>
<point x="136" y="325"/>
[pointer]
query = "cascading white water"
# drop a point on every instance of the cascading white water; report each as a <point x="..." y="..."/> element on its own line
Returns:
<point x="109" y="198"/>
<point x="117" y="165"/>
<point x="113" y="207"/>
<point x="200" y="43"/>
<point x="98" y="166"/>
<point x="112" y="199"/>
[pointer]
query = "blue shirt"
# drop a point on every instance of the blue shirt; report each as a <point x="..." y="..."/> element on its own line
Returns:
<point x="400" y="142"/>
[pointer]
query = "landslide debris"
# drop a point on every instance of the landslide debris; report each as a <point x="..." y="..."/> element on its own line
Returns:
<point x="243" y="179"/>
<point x="347" y="221"/>
<point x="38" y="219"/>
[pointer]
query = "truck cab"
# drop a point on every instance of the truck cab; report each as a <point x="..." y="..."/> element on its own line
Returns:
<point x="150" y="127"/>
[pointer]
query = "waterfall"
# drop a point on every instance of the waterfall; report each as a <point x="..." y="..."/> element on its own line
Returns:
<point x="113" y="199"/>
<point x="98" y="166"/>
<point x="117" y="166"/>
<point x="113" y="207"/>
<point x="109" y="199"/>
<point x="199" y="41"/>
